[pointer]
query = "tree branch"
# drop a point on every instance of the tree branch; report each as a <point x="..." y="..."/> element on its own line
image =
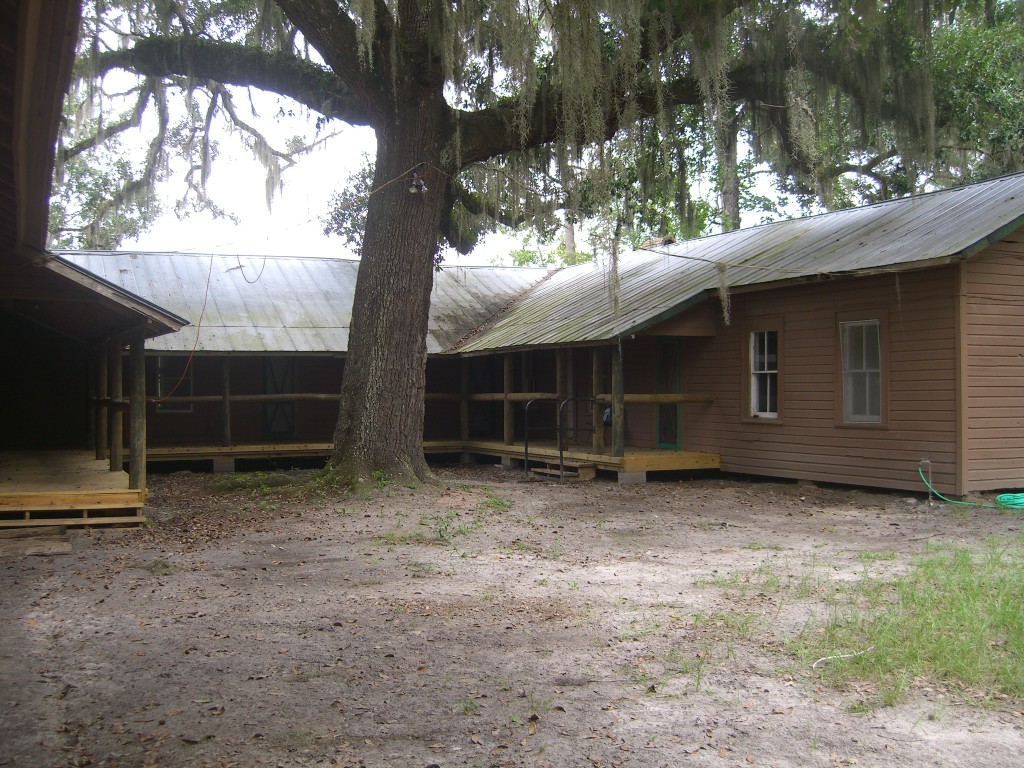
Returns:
<point x="234" y="64"/>
<point x="132" y="120"/>
<point x="333" y="34"/>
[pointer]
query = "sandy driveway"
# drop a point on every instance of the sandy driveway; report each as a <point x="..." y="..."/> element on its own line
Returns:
<point x="486" y="621"/>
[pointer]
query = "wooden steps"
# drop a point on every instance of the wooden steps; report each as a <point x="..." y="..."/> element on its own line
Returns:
<point x="574" y="470"/>
<point x="37" y="519"/>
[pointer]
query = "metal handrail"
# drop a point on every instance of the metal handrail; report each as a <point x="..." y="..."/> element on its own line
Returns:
<point x="526" y="430"/>
<point x="561" y="442"/>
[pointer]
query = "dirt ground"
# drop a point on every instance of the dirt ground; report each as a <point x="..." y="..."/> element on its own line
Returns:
<point x="490" y="620"/>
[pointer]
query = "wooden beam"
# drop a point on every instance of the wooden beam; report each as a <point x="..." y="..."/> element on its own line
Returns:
<point x="115" y="430"/>
<point x="274" y="397"/>
<point x="618" y="404"/>
<point x="137" y="412"/>
<point x="664" y="399"/>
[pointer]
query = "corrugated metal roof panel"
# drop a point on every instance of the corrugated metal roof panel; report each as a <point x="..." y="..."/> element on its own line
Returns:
<point x="289" y="304"/>
<point x="579" y="304"/>
<point x="280" y="304"/>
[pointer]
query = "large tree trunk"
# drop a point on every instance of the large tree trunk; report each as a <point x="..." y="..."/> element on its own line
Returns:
<point x="380" y="423"/>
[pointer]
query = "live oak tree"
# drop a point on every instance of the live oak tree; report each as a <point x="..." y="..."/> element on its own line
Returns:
<point x="502" y="110"/>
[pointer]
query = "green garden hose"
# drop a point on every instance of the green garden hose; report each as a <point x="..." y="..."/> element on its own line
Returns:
<point x="1003" y="500"/>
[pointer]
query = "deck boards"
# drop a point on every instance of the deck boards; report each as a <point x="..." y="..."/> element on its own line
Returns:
<point x="64" y="488"/>
<point x="635" y="460"/>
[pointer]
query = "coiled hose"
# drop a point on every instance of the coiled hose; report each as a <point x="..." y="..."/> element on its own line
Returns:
<point x="1003" y="501"/>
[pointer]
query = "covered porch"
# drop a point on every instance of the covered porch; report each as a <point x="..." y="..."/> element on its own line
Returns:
<point x="515" y="406"/>
<point x="40" y="488"/>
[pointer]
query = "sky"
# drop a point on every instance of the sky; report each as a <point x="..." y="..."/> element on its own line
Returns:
<point x="292" y="226"/>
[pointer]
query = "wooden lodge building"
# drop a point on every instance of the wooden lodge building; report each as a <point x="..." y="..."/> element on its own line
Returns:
<point x="61" y="459"/>
<point x="848" y="347"/>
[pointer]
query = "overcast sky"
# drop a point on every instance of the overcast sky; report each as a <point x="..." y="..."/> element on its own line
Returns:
<point x="292" y="227"/>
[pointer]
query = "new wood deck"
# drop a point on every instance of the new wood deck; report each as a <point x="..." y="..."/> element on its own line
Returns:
<point x="542" y="452"/>
<point x="634" y="460"/>
<point x="64" y="488"/>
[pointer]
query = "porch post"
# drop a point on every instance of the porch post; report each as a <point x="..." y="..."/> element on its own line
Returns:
<point x="137" y="412"/>
<point x="225" y="377"/>
<point x="101" y="411"/>
<point x="115" y="419"/>
<point x="618" y="404"/>
<point x="597" y="408"/>
<point x="509" y="426"/>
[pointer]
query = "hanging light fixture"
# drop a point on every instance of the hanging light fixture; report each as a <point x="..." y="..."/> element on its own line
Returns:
<point x="417" y="186"/>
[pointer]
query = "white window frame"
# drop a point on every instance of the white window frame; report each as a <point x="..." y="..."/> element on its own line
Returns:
<point x="763" y="370"/>
<point x="861" y="359"/>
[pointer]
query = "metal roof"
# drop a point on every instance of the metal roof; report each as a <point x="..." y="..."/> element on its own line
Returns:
<point x="253" y="304"/>
<point x="578" y="305"/>
<point x="303" y="304"/>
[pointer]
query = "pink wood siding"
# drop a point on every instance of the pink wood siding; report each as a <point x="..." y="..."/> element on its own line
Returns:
<point x="808" y="441"/>
<point x="992" y="286"/>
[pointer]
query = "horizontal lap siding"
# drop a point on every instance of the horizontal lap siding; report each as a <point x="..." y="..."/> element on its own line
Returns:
<point x="808" y="442"/>
<point x="993" y="290"/>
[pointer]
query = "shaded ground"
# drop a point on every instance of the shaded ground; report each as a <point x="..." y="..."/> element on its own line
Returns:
<point x="487" y="621"/>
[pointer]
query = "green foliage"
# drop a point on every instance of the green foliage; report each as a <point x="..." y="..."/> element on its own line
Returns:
<point x="85" y="212"/>
<point x="956" y="619"/>
<point x="346" y="215"/>
<point x="979" y="97"/>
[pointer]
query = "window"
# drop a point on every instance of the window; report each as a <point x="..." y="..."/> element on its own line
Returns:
<point x="861" y="357"/>
<point x="764" y="374"/>
<point x="169" y="372"/>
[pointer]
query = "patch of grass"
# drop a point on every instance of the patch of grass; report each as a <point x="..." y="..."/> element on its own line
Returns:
<point x="758" y="545"/>
<point x="639" y="629"/>
<point x="331" y="481"/>
<point x="495" y="503"/>
<point x="380" y="479"/>
<point x="954" y="619"/>
<point x="436" y="528"/>
<point x="871" y="557"/>
<point x="742" y="625"/>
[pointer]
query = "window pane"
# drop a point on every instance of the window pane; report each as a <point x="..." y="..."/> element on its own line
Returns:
<point x="862" y="370"/>
<point x="764" y="377"/>
<point x="872" y="348"/>
<point x="873" y="395"/>
<point x="855" y="348"/>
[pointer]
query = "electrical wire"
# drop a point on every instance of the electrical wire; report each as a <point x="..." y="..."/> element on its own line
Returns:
<point x="1003" y="501"/>
<point x="195" y="345"/>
